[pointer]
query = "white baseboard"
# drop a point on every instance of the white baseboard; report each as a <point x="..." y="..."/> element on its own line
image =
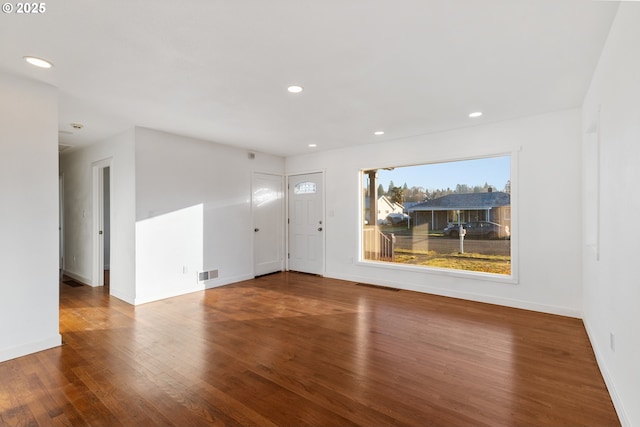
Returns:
<point x="209" y="284"/>
<point x="34" y="347"/>
<point x="145" y="299"/>
<point x="617" y="403"/>
<point x="121" y="296"/>
<point x="507" y="302"/>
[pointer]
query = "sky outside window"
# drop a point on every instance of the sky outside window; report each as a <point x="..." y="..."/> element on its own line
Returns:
<point x="495" y="171"/>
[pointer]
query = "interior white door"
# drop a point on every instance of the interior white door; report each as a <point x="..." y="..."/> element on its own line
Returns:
<point x="268" y="221"/>
<point x="306" y="223"/>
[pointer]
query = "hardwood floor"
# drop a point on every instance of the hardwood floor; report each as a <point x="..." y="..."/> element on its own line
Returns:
<point x="293" y="349"/>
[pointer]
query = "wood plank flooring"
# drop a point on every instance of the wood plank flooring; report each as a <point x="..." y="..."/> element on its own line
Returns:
<point x="293" y="350"/>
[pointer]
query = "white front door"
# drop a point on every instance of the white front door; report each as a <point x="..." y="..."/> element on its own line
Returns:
<point x="306" y="223"/>
<point x="268" y="220"/>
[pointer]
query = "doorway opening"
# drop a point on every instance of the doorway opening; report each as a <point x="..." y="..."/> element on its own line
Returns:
<point x="102" y="222"/>
<point x="106" y="225"/>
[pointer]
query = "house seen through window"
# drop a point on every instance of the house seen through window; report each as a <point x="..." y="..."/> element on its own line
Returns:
<point x="451" y="215"/>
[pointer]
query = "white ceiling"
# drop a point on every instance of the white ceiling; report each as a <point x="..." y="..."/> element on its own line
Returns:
<point x="218" y="69"/>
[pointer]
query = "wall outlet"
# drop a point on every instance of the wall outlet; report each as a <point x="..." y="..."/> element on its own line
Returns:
<point x="185" y="270"/>
<point x="612" y="341"/>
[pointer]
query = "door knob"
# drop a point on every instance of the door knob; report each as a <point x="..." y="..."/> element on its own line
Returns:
<point x="319" y="228"/>
<point x="256" y="229"/>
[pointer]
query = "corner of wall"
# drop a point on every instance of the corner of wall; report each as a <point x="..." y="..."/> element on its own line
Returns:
<point x="608" y="380"/>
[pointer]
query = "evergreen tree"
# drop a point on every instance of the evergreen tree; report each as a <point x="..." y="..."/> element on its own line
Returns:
<point x="396" y="195"/>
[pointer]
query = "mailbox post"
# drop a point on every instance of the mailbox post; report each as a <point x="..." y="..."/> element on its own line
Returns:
<point x="461" y="233"/>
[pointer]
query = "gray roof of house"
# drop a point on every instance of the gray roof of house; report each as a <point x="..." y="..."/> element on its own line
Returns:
<point x="467" y="201"/>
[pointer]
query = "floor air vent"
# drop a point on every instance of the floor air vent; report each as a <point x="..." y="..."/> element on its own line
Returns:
<point x="207" y="275"/>
<point x="384" y="288"/>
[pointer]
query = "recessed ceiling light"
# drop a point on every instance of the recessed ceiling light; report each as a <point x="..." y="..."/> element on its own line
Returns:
<point x="313" y="145"/>
<point x="476" y="114"/>
<point x="295" y="89"/>
<point x="77" y="126"/>
<point x="379" y="132"/>
<point x="38" y="62"/>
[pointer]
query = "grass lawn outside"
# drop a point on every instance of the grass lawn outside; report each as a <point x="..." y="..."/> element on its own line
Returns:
<point x="496" y="264"/>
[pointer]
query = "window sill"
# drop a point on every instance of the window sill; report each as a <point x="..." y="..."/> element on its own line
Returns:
<point x="474" y="275"/>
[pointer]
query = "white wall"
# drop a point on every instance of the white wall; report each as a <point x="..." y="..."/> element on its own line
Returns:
<point x="611" y="249"/>
<point x="169" y="254"/>
<point x="29" y="217"/>
<point x="76" y="167"/>
<point x="198" y="187"/>
<point x="547" y="196"/>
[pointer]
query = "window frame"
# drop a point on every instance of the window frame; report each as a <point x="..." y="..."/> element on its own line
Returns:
<point x="513" y="278"/>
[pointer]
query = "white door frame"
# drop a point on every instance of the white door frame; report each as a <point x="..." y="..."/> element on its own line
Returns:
<point x="324" y="219"/>
<point x="97" y="171"/>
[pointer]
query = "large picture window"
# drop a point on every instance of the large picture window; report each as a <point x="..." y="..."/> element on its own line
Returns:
<point x="452" y="215"/>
